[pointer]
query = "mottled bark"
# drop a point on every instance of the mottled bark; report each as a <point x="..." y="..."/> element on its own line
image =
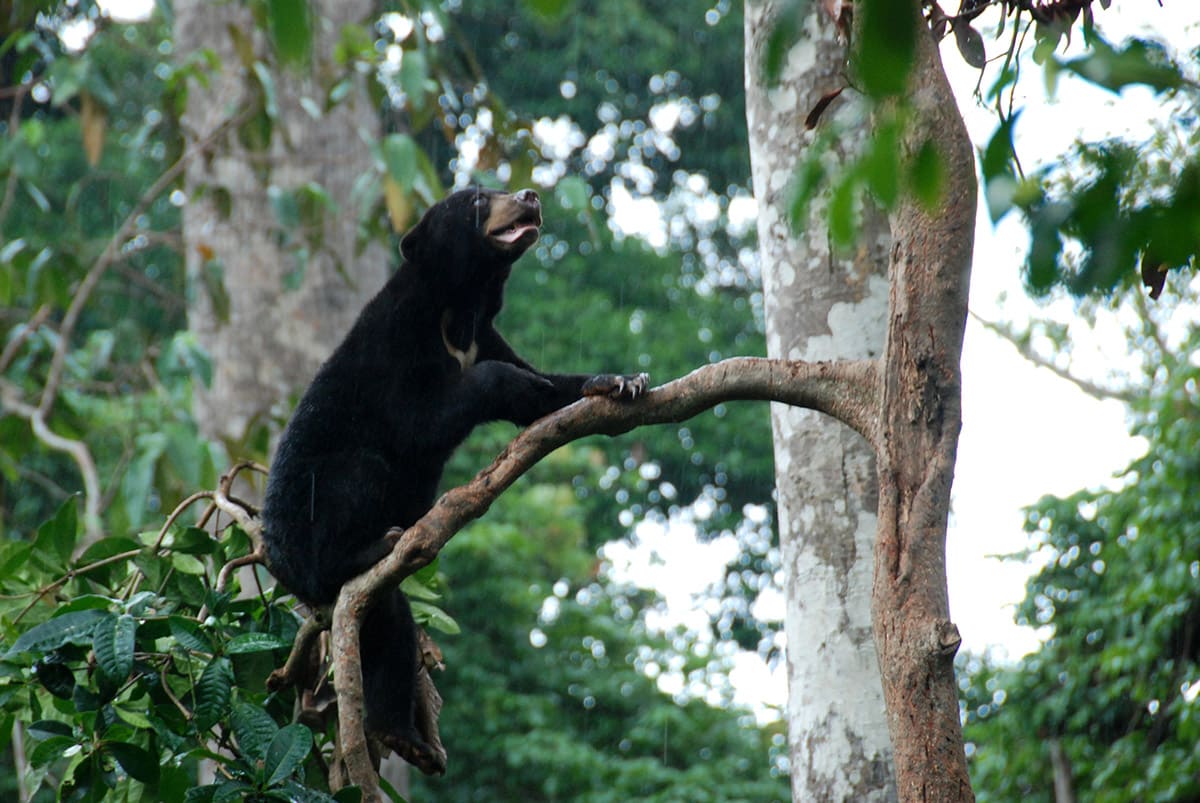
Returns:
<point x="821" y="304"/>
<point x="274" y="338"/>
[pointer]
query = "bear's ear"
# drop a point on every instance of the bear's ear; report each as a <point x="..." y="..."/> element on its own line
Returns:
<point x="413" y="244"/>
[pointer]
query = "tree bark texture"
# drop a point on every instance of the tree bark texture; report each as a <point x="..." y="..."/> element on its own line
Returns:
<point x="271" y="340"/>
<point x="820" y="305"/>
<point x="920" y="420"/>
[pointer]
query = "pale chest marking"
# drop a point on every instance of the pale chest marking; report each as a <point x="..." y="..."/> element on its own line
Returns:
<point x="465" y="358"/>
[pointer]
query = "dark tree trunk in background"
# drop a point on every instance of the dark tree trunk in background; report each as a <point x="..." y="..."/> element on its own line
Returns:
<point x="283" y="318"/>
<point x="918" y="440"/>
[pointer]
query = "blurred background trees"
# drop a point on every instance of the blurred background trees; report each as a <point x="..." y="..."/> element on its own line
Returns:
<point x="630" y="122"/>
<point x="169" y="182"/>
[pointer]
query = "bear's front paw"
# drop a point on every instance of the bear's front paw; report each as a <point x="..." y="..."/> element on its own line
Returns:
<point x="617" y="386"/>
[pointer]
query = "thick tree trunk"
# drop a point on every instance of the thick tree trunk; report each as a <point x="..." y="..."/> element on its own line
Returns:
<point x="918" y="439"/>
<point x="271" y="340"/>
<point x="820" y="306"/>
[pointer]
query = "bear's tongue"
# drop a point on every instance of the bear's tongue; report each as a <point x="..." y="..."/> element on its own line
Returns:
<point x="512" y="234"/>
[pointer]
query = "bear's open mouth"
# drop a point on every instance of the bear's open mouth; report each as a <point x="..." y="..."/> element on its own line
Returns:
<point x="514" y="232"/>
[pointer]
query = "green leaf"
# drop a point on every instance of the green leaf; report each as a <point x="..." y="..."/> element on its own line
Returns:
<point x="785" y="32"/>
<point x="353" y="794"/>
<point x="970" y="44"/>
<point x="400" y="157"/>
<point x="55" y="677"/>
<point x="138" y="483"/>
<point x="74" y="627"/>
<point x="809" y="179"/>
<point x="432" y="616"/>
<point x="139" y="763"/>
<point x="287" y="752"/>
<point x="1138" y="62"/>
<point x="549" y="11"/>
<point x="290" y="24"/>
<point x="50" y="750"/>
<point x="880" y="164"/>
<point x="231" y="792"/>
<point x="191" y="541"/>
<point x="883" y="55"/>
<point x="57" y="534"/>
<point x="213" y="691"/>
<point x="285" y="207"/>
<point x="928" y="175"/>
<point x="842" y="219"/>
<point x="414" y="74"/>
<point x="14" y="556"/>
<point x="255" y="642"/>
<point x="188" y="564"/>
<point x="414" y="588"/>
<point x="189" y="635"/>
<point x="44" y="728"/>
<point x="212" y="275"/>
<point x="137" y="719"/>
<point x="113" y="642"/>
<point x="253" y="728"/>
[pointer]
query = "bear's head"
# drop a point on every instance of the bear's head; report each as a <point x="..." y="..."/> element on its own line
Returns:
<point x="474" y="230"/>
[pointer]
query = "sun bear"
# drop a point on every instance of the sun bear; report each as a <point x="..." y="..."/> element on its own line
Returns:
<point x="365" y="448"/>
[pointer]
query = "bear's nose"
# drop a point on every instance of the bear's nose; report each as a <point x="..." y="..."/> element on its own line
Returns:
<point x="527" y="197"/>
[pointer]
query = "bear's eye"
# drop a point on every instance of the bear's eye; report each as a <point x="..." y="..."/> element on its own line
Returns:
<point x="479" y="201"/>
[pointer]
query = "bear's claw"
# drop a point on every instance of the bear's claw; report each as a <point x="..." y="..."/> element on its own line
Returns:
<point x="617" y="386"/>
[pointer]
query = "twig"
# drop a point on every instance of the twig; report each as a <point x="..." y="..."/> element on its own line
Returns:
<point x="14" y="345"/>
<point x="76" y="449"/>
<point x="1027" y="351"/>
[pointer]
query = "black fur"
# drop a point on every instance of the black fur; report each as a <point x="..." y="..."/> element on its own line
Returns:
<point x="365" y="448"/>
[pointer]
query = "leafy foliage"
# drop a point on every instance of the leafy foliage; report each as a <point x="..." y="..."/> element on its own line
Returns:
<point x="562" y="702"/>
<point x="130" y="653"/>
<point x="1111" y="205"/>
<point x="120" y="655"/>
<point x="1115" y="683"/>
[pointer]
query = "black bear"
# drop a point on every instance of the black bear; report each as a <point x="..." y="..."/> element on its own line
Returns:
<point x="366" y="445"/>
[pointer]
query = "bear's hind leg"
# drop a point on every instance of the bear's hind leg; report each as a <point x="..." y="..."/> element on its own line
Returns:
<point x="389" y="667"/>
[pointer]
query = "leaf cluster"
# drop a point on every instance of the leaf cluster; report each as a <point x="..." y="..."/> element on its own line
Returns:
<point x="1113" y="208"/>
<point x="128" y="665"/>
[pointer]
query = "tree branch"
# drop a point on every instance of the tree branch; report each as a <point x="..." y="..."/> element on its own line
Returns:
<point x="848" y="391"/>
<point x="1025" y="349"/>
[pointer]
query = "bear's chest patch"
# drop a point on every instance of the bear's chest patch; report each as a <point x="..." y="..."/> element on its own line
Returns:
<point x="465" y="357"/>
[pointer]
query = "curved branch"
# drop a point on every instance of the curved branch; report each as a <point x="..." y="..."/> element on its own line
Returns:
<point x="848" y="391"/>
<point x="845" y="390"/>
<point x="1026" y="350"/>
